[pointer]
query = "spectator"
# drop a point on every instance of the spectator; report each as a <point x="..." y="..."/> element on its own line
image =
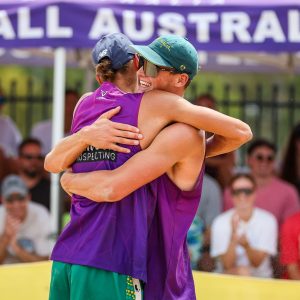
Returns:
<point x="31" y="170"/>
<point x="291" y="162"/>
<point x="244" y="238"/>
<point x="219" y="167"/>
<point x="43" y="130"/>
<point x="209" y="209"/>
<point x="290" y="247"/>
<point x="9" y="140"/>
<point x="24" y="227"/>
<point x="10" y="135"/>
<point x="195" y="241"/>
<point x="273" y="194"/>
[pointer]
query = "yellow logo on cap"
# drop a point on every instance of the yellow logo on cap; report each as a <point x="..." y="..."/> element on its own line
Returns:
<point x="165" y="44"/>
<point x="182" y="67"/>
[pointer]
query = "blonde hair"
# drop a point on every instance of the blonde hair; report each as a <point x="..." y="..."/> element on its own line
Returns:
<point x="105" y="70"/>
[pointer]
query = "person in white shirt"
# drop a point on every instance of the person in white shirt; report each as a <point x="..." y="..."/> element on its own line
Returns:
<point x="25" y="227"/>
<point x="245" y="237"/>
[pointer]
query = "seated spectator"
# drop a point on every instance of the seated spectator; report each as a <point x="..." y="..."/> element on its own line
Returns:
<point x="31" y="170"/>
<point x="209" y="209"/>
<point x="245" y="237"/>
<point x="290" y="247"/>
<point x="219" y="167"/>
<point x="291" y="162"/>
<point x="195" y="241"/>
<point x="273" y="194"/>
<point x="43" y="130"/>
<point x="25" y="228"/>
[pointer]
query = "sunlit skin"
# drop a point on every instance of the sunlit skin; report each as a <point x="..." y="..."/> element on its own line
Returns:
<point x="165" y="81"/>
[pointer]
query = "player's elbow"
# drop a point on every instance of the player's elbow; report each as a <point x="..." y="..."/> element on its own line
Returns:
<point x="50" y="165"/>
<point x="247" y="133"/>
<point x="244" y="134"/>
<point x="107" y="193"/>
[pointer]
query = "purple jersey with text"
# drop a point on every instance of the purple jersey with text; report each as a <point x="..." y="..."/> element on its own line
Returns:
<point x="169" y="272"/>
<point x="109" y="236"/>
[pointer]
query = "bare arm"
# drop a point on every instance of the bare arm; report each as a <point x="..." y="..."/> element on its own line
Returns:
<point x="228" y="259"/>
<point x="4" y="242"/>
<point x="229" y="133"/>
<point x="106" y="136"/>
<point x="256" y="257"/>
<point x="26" y="256"/>
<point x="293" y="271"/>
<point x="171" y="147"/>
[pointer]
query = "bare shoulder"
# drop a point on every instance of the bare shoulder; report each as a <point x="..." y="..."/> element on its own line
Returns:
<point x="188" y="143"/>
<point x="80" y="100"/>
<point x="185" y="129"/>
<point x="162" y="97"/>
<point x="184" y="134"/>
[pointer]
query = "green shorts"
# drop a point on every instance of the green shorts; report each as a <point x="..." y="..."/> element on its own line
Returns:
<point x="76" y="282"/>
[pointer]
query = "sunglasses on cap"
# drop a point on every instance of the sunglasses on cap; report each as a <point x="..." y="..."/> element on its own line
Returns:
<point x="15" y="198"/>
<point x="32" y="157"/>
<point x="267" y="158"/>
<point x="150" y="69"/>
<point x="240" y="191"/>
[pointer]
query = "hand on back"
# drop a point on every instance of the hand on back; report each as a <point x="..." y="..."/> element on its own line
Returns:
<point x="106" y="134"/>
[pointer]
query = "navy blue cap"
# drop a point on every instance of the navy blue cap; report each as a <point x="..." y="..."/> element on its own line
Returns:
<point x="115" y="46"/>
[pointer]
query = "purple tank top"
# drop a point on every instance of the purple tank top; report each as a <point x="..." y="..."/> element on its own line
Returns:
<point x="109" y="236"/>
<point x="169" y="272"/>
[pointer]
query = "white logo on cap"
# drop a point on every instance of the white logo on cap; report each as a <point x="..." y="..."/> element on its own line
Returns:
<point x="103" y="53"/>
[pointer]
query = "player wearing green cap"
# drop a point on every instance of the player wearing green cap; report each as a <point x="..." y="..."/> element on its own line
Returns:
<point x="178" y="150"/>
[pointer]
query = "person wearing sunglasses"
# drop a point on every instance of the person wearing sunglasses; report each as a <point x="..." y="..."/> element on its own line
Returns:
<point x="273" y="194"/>
<point x="31" y="170"/>
<point x="111" y="240"/>
<point x="25" y="228"/>
<point x="245" y="237"/>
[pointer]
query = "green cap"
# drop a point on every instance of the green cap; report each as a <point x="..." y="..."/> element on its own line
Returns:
<point x="171" y="51"/>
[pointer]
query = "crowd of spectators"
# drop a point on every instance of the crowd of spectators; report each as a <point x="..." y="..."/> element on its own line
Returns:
<point x="254" y="222"/>
<point x="25" y="222"/>
<point x="246" y="224"/>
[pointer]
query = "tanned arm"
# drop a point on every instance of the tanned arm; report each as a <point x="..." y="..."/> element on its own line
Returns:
<point x="4" y="242"/>
<point x="229" y="133"/>
<point x="167" y="153"/>
<point x="26" y="256"/>
<point x="228" y="259"/>
<point x="103" y="134"/>
<point x="293" y="271"/>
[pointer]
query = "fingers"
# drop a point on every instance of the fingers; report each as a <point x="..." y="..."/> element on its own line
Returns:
<point x="125" y="127"/>
<point x="128" y="135"/>
<point x="118" y="148"/>
<point x="124" y="141"/>
<point x="109" y="114"/>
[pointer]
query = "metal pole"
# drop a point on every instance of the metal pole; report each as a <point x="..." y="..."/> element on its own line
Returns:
<point x="58" y="115"/>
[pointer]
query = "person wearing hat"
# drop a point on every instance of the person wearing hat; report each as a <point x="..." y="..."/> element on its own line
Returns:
<point x="25" y="228"/>
<point x="103" y="242"/>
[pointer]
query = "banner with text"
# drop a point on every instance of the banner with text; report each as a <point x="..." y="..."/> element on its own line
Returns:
<point x="208" y="28"/>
